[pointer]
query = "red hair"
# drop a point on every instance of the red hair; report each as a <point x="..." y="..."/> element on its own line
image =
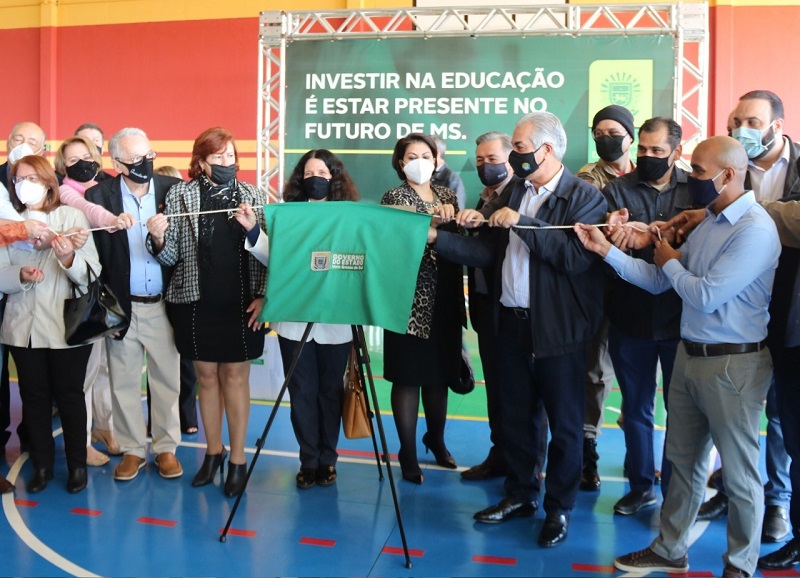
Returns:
<point x="209" y="142"/>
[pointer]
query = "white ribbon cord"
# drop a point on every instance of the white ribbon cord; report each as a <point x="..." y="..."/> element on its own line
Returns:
<point x="108" y="228"/>
<point x="555" y="227"/>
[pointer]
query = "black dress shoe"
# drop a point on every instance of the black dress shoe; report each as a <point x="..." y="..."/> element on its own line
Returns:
<point x="634" y="501"/>
<point x="786" y="557"/>
<point x="776" y="526"/>
<point x="6" y="487"/>
<point x="505" y="510"/>
<point x="76" y="481"/>
<point x="39" y="479"/>
<point x="554" y="530"/>
<point x="714" y="508"/>
<point x="484" y="471"/>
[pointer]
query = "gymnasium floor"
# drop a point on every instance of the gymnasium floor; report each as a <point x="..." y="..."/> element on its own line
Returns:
<point x="156" y="527"/>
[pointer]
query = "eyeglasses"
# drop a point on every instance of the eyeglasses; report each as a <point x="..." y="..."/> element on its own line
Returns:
<point x="35" y="179"/>
<point x="136" y="161"/>
<point x="612" y="133"/>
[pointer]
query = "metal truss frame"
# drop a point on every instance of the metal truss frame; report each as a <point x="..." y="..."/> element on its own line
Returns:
<point x="687" y="23"/>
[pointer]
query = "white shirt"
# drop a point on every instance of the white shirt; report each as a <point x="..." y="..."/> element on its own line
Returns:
<point x="516" y="264"/>
<point x="768" y="184"/>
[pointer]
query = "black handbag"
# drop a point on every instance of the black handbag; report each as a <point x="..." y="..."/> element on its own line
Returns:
<point x="94" y="314"/>
<point x="466" y="380"/>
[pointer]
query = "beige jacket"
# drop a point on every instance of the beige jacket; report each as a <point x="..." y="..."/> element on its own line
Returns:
<point x="787" y="219"/>
<point x="35" y="314"/>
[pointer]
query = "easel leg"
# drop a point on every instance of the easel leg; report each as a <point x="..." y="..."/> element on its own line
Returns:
<point x="263" y="438"/>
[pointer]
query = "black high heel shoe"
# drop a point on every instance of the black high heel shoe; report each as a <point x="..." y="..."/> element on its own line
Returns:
<point x="234" y="483"/>
<point x="443" y="457"/>
<point x="410" y="475"/>
<point x="205" y="475"/>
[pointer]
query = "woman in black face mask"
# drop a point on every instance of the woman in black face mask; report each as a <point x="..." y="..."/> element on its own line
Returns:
<point x="316" y="387"/>
<point x="215" y="295"/>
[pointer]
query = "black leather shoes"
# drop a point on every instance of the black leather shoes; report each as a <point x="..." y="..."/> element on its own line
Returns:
<point x="776" y="526"/>
<point x="76" y="481"/>
<point x="39" y="479"/>
<point x="484" y="471"/>
<point x="634" y="501"/>
<point x="590" y="479"/>
<point x="6" y="487"/>
<point x="714" y="508"/>
<point x="554" y="530"/>
<point x="782" y="559"/>
<point x="505" y="510"/>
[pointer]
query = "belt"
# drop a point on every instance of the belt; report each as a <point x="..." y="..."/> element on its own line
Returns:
<point x="147" y="298"/>
<point x="518" y="312"/>
<point x="718" y="349"/>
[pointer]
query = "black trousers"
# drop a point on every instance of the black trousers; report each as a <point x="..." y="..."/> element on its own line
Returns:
<point x="316" y="389"/>
<point x="53" y="374"/>
<point x="526" y="383"/>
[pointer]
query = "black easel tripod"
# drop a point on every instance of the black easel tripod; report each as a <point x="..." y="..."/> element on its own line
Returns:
<point x="362" y="362"/>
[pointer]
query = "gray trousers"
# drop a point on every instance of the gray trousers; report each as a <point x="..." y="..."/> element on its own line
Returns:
<point x="715" y="400"/>
<point x="599" y="379"/>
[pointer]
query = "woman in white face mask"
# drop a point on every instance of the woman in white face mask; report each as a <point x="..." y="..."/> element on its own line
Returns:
<point x="37" y="280"/>
<point x="428" y="356"/>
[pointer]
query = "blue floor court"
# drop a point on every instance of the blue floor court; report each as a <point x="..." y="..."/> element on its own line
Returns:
<point x="156" y="527"/>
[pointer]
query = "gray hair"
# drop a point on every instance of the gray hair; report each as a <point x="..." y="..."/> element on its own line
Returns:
<point x="546" y="128"/>
<point x="494" y="135"/>
<point x="113" y="144"/>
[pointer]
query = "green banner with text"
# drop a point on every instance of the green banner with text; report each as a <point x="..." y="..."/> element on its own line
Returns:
<point x="357" y="97"/>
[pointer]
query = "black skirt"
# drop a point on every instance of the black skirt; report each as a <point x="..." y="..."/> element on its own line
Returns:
<point x="436" y="361"/>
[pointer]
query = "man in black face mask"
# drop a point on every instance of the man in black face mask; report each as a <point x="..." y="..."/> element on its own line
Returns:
<point x="498" y="179"/>
<point x="645" y="328"/>
<point x="546" y="310"/>
<point x="612" y="131"/>
<point x="139" y="283"/>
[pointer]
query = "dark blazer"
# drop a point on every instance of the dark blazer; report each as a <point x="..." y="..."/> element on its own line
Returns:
<point x="566" y="283"/>
<point x="480" y="312"/>
<point x="791" y="186"/>
<point x="4" y="174"/>
<point x="113" y="248"/>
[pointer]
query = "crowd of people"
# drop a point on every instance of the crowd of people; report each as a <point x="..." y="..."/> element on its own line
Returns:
<point x="574" y="280"/>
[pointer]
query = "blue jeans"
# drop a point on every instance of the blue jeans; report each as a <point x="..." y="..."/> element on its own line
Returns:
<point x="635" y="362"/>
<point x="778" y="489"/>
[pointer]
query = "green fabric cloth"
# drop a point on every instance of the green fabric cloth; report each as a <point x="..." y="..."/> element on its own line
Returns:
<point x="343" y="262"/>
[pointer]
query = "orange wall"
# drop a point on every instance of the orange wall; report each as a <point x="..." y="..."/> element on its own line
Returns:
<point x="89" y="60"/>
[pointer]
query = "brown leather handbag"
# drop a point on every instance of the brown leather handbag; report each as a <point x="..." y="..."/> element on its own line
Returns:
<point x="355" y="422"/>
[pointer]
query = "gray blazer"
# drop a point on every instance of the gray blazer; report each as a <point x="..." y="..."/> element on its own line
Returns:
<point x="180" y="245"/>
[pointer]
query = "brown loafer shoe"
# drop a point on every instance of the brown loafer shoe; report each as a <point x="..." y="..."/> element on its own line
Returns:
<point x="6" y="487"/>
<point x="168" y="466"/>
<point x="128" y="468"/>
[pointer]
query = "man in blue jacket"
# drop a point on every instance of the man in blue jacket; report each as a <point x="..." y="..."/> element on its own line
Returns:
<point x="547" y="307"/>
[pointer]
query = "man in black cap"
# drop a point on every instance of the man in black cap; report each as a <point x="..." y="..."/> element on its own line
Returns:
<point x="613" y="134"/>
<point x="612" y="131"/>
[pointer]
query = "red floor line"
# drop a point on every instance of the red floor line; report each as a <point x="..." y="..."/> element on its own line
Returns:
<point x="85" y="512"/>
<point x="698" y="574"/>
<point x="788" y="572"/>
<point x="593" y="568"/>
<point x="318" y="542"/>
<point x="495" y="560"/>
<point x="411" y="552"/>
<point x="157" y="522"/>
<point x="243" y="533"/>
<point x="25" y="503"/>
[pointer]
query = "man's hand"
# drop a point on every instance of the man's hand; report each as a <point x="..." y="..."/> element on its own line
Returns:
<point x="157" y="226"/>
<point x="505" y="218"/>
<point x="592" y="238"/>
<point x="663" y="253"/>
<point x="685" y="222"/>
<point x="469" y="218"/>
<point x="616" y="219"/>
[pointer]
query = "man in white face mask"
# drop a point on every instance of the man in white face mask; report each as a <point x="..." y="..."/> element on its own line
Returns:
<point x="26" y="138"/>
